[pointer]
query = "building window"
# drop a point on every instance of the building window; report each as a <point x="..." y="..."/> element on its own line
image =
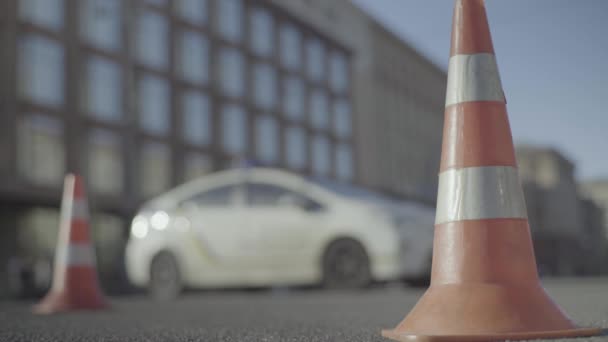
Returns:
<point x="151" y="39"/>
<point x="153" y="102"/>
<point x="315" y="59"/>
<point x="293" y="101"/>
<point x="338" y="72"/>
<point x="45" y="13"/>
<point x="232" y="72"/>
<point x="291" y="42"/>
<point x="196" y="165"/>
<point x="267" y="135"/>
<point x="234" y="129"/>
<point x="41" y="151"/>
<point x="41" y="70"/>
<point x="196" y="118"/>
<point x="319" y="111"/>
<point x="155" y="169"/>
<point x="161" y="3"/>
<point x="342" y="119"/>
<point x="103" y="89"/>
<point x="229" y="19"/>
<point x="295" y="147"/>
<point x="262" y="39"/>
<point x="192" y="57"/>
<point x="105" y="168"/>
<point x="193" y="11"/>
<point x="100" y="23"/>
<point x="320" y="155"/>
<point x="265" y="86"/>
<point x="344" y="162"/>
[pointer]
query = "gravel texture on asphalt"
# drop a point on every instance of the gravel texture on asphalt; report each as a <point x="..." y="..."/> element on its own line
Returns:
<point x="264" y="316"/>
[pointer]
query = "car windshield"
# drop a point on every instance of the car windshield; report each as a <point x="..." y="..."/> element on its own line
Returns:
<point x="348" y="190"/>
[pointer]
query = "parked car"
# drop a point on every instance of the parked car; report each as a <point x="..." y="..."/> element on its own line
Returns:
<point x="267" y="227"/>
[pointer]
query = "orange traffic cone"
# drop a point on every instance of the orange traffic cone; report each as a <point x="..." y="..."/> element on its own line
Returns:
<point x="75" y="285"/>
<point x="484" y="284"/>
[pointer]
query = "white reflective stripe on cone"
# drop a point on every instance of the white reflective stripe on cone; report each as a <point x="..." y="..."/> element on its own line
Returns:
<point x="80" y="254"/>
<point x="477" y="193"/>
<point x="80" y="209"/>
<point x="473" y="78"/>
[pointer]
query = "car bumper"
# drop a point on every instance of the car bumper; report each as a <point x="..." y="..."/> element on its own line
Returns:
<point x="136" y="263"/>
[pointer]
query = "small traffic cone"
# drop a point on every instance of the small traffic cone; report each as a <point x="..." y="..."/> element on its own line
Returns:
<point x="75" y="285"/>
<point x="484" y="281"/>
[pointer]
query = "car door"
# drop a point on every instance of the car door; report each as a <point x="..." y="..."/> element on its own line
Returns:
<point x="284" y="222"/>
<point x="216" y="218"/>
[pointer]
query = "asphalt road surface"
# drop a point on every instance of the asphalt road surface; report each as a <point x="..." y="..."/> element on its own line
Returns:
<point x="265" y="316"/>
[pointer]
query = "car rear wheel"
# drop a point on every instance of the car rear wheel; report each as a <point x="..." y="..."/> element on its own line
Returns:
<point x="346" y="265"/>
<point x="165" y="282"/>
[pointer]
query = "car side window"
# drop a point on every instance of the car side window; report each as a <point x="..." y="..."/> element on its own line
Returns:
<point x="268" y="195"/>
<point x="265" y="195"/>
<point x="219" y="197"/>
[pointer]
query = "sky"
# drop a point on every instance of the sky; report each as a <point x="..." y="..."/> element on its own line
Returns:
<point x="553" y="61"/>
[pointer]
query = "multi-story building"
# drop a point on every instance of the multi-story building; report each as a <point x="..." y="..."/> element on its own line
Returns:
<point x="141" y="95"/>
<point x="398" y="100"/>
<point x="563" y="226"/>
<point x="597" y="191"/>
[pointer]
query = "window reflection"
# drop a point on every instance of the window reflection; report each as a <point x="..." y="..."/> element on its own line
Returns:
<point x="153" y="100"/>
<point x="103" y="92"/>
<point x="46" y="13"/>
<point x="234" y="130"/>
<point x="192" y="56"/>
<point x="295" y="142"/>
<point x="344" y="162"/>
<point x="264" y="90"/>
<point x="319" y="111"/>
<point x="100" y="23"/>
<point x="232" y="72"/>
<point x="320" y="155"/>
<point x="291" y="41"/>
<point x="262" y="38"/>
<point x="41" y="70"/>
<point x="315" y="59"/>
<point x="161" y="3"/>
<point x="267" y="135"/>
<point x="293" y="98"/>
<point x="193" y="11"/>
<point x="338" y="74"/>
<point x="105" y="168"/>
<point x="151" y="32"/>
<point x="229" y="22"/>
<point x="155" y="172"/>
<point x="342" y="118"/>
<point x="41" y="154"/>
<point x="196" y="118"/>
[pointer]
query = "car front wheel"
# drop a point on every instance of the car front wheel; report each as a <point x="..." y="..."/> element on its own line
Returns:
<point x="346" y="265"/>
<point x="165" y="282"/>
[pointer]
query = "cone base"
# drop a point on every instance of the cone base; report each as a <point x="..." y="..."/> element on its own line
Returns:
<point x="60" y="302"/>
<point x="485" y="312"/>
<point x="405" y="337"/>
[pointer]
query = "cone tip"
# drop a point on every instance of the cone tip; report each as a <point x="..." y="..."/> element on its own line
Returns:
<point x="78" y="184"/>
<point x="470" y="29"/>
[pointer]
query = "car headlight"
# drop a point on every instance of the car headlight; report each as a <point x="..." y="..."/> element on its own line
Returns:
<point x="139" y="227"/>
<point x="159" y="220"/>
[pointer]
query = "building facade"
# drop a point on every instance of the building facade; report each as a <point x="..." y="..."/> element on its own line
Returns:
<point x="597" y="191"/>
<point x="141" y="95"/>
<point x="564" y="225"/>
